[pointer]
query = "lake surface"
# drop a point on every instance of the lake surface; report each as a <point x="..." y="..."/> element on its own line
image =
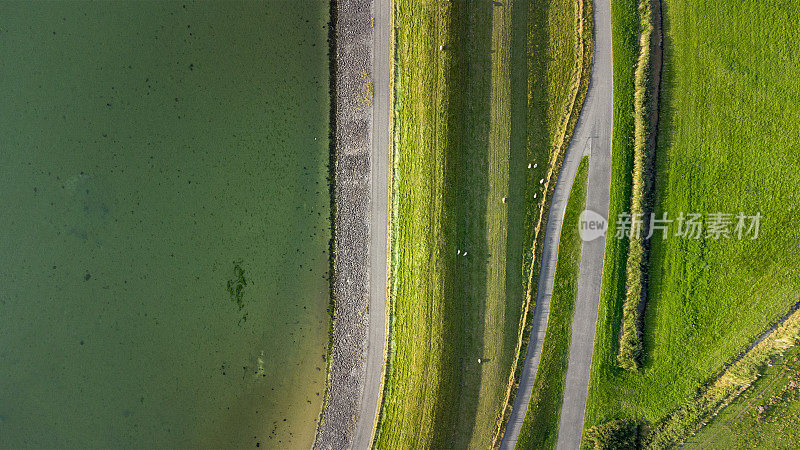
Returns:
<point x="164" y="223"/>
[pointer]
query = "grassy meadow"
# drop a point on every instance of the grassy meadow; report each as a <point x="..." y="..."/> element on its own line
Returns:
<point x="419" y="348"/>
<point x="683" y="423"/>
<point x="767" y="415"/>
<point x="540" y="429"/>
<point x="559" y="56"/>
<point x="727" y="143"/>
<point x="476" y="86"/>
<point x="452" y="242"/>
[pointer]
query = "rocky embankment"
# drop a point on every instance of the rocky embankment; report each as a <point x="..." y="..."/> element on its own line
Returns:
<point x="352" y="67"/>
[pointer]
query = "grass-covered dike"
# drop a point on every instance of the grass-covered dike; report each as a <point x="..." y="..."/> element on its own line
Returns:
<point x="482" y="91"/>
<point x="553" y="106"/>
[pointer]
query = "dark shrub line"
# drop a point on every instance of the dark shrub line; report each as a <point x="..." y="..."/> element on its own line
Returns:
<point x="645" y="108"/>
<point x="614" y="434"/>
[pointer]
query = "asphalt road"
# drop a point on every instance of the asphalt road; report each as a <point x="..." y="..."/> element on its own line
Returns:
<point x="378" y="220"/>
<point x="541" y="310"/>
<point x="592" y="137"/>
<point x="595" y="125"/>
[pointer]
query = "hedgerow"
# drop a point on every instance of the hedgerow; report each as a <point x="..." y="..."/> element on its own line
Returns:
<point x="614" y="434"/>
<point x="630" y="343"/>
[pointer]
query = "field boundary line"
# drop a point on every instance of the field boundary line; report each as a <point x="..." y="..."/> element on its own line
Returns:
<point x="746" y="407"/>
<point x="734" y="379"/>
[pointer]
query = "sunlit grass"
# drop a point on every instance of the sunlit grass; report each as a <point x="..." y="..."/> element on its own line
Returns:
<point x="727" y="143"/>
<point x="476" y="88"/>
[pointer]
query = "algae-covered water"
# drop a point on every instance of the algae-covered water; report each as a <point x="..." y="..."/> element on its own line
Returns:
<point x="164" y="223"/>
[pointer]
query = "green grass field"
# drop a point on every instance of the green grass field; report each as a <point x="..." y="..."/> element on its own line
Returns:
<point x="422" y="355"/>
<point x="454" y="164"/>
<point x="684" y="422"/>
<point x="559" y="42"/>
<point x="540" y="429"/>
<point x="727" y="143"/>
<point x="471" y="112"/>
<point x="767" y="415"/>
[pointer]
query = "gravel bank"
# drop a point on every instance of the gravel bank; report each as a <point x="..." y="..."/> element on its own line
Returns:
<point x="352" y="31"/>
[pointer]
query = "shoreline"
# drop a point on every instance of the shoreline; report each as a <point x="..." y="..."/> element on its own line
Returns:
<point x="351" y="44"/>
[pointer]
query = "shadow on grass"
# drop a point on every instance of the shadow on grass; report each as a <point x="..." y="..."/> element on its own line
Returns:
<point x="516" y="244"/>
<point x="465" y="202"/>
<point x="664" y="139"/>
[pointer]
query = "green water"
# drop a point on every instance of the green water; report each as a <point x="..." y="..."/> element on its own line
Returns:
<point x="164" y="223"/>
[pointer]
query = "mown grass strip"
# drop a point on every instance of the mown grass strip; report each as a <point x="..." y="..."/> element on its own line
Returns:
<point x="459" y="122"/>
<point x="456" y="156"/>
<point x="630" y="345"/>
<point x="418" y="356"/>
<point x="540" y="429"/>
<point x="391" y="244"/>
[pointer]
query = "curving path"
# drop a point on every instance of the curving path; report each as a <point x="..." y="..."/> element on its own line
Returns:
<point x="592" y="137"/>
<point x="597" y="127"/>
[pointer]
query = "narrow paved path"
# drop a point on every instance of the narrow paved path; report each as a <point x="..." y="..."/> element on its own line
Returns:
<point x="378" y="220"/>
<point x="595" y="125"/>
<point x="541" y="310"/>
<point x="592" y="137"/>
<point x="361" y="44"/>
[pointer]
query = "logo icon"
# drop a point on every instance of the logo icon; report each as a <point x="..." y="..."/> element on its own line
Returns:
<point x="591" y="225"/>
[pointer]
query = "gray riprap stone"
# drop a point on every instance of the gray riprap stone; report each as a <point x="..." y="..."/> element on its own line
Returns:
<point x="353" y="67"/>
